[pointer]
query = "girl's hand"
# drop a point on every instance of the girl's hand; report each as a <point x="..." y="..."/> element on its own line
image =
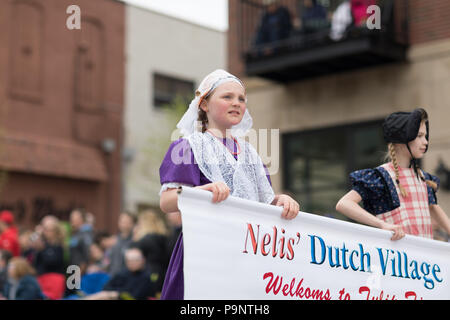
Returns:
<point x="290" y="206"/>
<point x="397" y="229"/>
<point x="219" y="189"/>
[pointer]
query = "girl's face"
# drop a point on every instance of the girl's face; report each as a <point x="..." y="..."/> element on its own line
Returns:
<point x="226" y="106"/>
<point x="419" y="145"/>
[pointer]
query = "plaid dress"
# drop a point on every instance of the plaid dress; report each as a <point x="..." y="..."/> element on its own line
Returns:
<point x="414" y="211"/>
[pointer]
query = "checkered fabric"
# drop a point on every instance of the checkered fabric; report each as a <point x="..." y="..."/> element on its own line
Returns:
<point x="414" y="211"/>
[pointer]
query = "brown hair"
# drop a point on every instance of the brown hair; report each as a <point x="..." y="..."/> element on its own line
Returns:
<point x="56" y="228"/>
<point x="22" y="267"/>
<point x="202" y="116"/>
<point x="149" y="222"/>
<point x="392" y="156"/>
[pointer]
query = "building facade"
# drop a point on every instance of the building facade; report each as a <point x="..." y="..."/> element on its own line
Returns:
<point x="61" y="101"/>
<point x="166" y="60"/>
<point x="329" y="97"/>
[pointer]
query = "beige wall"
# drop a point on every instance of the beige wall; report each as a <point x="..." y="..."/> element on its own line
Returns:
<point x="364" y="95"/>
<point x="173" y="47"/>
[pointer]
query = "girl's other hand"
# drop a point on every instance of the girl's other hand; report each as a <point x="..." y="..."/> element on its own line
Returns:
<point x="290" y="206"/>
<point x="397" y="229"/>
<point x="219" y="189"/>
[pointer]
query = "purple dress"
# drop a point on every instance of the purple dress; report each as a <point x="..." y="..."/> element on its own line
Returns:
<point x="186" y="172"/>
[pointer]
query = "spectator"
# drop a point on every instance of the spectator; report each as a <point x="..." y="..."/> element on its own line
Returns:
<point x="341" y="21"/>
<point x="150" y="235"/>
<point x="5" y="256"/>
<point x="81" y="239"/>
<point x="97" y="262"/>
<point x="105" y="242"/>
<point x="132" y="283"/>
<point x="21" y="284"/>
<point x="9" y="237"/>
<point x="126" y="225"/>
<point x="275" y="25"/>
<point x="313" y="16"/>
<point x="174" y="219"/>
<point x="359" y="11"/>
<point x="26" y="239"/>
<point x="49" y="257"/>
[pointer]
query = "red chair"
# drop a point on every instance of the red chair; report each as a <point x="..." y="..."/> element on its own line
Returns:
<point x="53" y="285"/>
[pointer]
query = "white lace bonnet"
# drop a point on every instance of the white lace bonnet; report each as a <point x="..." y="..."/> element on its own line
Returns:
<point x="189" y="122"/>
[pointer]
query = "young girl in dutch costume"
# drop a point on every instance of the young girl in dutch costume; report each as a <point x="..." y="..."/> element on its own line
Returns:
<point x="398" y="196"/>
<point x="215" y="159"/>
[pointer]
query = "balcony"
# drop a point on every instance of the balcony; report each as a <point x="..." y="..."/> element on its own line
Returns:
<point x="334" y="36"/>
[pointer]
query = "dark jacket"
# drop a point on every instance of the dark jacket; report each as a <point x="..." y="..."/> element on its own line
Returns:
<point x="79" y="246"/>
<point x="49" y="259"/>
<point x="378" y="192"/>
<point x="156" y="251"/>
<point x="117" y="254"/>
<point x="132" y="285"/>
<point x="274" y="26"/>
<point x="27" y="289"/>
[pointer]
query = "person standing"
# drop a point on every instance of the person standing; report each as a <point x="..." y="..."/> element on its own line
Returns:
<point x="398" y="196"/>
<point x="9" y="237"/>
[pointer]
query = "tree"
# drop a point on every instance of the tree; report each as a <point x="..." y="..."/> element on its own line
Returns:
<point x="143" y="176"/>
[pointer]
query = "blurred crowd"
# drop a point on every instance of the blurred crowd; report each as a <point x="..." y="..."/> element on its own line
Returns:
<point x="72" y="260"/>
<point x="312" y="18"/>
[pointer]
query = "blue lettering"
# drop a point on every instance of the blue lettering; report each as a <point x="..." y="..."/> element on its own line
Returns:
<point x="429" y="283"/>
<point x="330" y="257"/>
<point x="313" y="249"/>
<point x="436" y="269"/>
<point x="361" y="256"/>
<point x="383" y="262"/>
<point x="351" y="260"/>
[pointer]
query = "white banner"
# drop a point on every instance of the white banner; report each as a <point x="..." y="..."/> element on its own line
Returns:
<point x="241" y="250"/>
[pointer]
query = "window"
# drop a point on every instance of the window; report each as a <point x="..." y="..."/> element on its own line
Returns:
<point x="167" y="89"/>
<point x="89" y="55"/>
<point x="317" y="163"/>
<point x="26" y="51"/>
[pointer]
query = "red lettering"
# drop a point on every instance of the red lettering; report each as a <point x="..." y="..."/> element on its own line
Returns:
<point x="363" y="290"/>
<point x="411" y="294"/>
<point x="252" y="236"/>
<point x="281" y="245"/>
<point x="265" y="242"/>
<point x="285" y="289"/>
<point x="290" y="255"/>
<point x="274" y="244"/>
<point x="369" y="297"/>
<point x="272" y="284"/>
<point x="300" y="291"/>
<point x="268" y="242"/>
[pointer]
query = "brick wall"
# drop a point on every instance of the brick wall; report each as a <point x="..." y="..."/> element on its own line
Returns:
<point x="61" y="95"/>
<point x="429" y="20"/>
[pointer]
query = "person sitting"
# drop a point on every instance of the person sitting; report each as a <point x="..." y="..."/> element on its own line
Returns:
<point x="150" y="235"/>
<point x="359" y="11"/>
<point x="275" y="25"/>
<point x="22" y="283"/>
<point x="133" y="283"/>
<point x="341" y="21"/>
<point x="5" y="256"/>
<point x="313" y="17"/>
<point x="48" y="245"/>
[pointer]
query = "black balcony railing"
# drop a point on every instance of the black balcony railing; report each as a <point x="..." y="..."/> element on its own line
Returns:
<point x="295" y="39"/>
